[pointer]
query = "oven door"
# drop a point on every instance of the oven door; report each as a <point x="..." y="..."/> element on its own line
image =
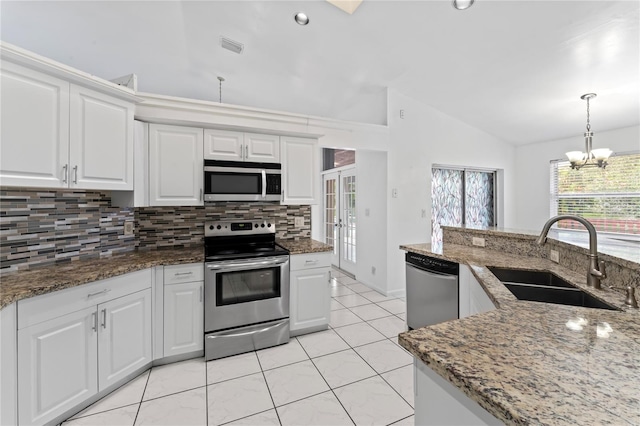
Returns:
<point x="246" y="291"/>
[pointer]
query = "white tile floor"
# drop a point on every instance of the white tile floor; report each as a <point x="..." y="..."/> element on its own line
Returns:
<point x="353" y="373"/>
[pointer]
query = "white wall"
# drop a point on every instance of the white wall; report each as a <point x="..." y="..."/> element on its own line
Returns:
<point x="532" y="170"/>
<point x="371" y="238"/>
<point x="425" y="137"/>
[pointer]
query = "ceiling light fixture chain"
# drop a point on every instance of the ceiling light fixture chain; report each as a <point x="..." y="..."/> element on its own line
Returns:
<point x="220" y="79"/>
<point x="599" y="156"/>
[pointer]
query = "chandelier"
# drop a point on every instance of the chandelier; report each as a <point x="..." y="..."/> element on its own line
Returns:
<point x="591" y="157"/>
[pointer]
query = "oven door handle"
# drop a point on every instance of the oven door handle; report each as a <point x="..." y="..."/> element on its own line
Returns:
<point x="248" y="264"/>
<point x="264" y="183"/>
<point x="246" y="333"/>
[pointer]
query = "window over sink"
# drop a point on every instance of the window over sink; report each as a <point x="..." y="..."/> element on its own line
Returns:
<point x="608" y="197"/>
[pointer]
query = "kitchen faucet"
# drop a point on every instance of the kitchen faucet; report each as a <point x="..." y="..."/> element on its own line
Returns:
<point x="596" y="271"/>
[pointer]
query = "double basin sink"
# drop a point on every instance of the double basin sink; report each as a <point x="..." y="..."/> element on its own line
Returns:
<point x="543" y="286"/>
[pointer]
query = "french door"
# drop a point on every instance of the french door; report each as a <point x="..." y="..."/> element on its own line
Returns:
<point x="339" y="189"/>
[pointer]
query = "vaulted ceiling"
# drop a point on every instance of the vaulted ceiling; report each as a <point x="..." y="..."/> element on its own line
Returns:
<point x="515" y="69"/>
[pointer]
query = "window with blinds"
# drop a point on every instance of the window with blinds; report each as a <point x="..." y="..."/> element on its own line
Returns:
<point x="609" y="198"/>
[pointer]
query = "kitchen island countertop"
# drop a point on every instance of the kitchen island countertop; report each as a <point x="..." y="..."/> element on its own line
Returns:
<point x="304" y="245"/>
<point x="536" y="363"/>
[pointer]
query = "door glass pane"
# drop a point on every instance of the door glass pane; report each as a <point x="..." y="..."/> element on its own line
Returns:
<point x="446" y="198"/>
<point x="349" y="218"/>
<point x="331" y="214"/>
<point x="246" y="286"/>
<point x="478" y="199"/>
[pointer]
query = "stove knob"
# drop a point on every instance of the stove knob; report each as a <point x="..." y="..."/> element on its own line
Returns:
<point x="268" y="225"/>
<point x="256" y="225"/>
<point x="262" y="225"/>
<point x="218" y="226"/>
<point x="210" y="226"/>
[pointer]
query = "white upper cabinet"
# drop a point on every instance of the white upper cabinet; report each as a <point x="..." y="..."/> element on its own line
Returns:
<point x="35" y="128"/>
<point x="300" y="170"/>
<point x="176" y="166"/>
<point x="223" y="145"/>
<point x="57" y="134"/>
<point x="261" y="148"/>
<point x="101" y="141"/>
<point x="238" y="146"/>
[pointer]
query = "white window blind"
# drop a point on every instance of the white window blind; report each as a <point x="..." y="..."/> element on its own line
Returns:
<point x="608" y="198"/>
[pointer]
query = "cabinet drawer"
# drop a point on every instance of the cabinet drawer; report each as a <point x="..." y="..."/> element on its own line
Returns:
<point x="311" y="260"/>
<point x="183" y="273"/>
<point x="48" y="306"/>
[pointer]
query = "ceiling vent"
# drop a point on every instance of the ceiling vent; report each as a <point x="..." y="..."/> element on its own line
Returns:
<point x="231" y="45"/>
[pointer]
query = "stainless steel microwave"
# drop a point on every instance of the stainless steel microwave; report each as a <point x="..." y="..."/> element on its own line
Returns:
<point x="242" y="181"/>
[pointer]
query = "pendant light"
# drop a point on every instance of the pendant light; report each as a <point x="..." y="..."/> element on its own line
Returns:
<point x="591" y="157"/>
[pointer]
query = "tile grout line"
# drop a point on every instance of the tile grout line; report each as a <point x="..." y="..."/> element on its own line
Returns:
<point x="327" y="383"/>
<point x="268" y="389"/>
<point x="142" y="396"/>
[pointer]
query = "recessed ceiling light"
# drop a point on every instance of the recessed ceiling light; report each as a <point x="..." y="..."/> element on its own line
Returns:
<point x="462" y="4"/>
<point x="301" y="18"/>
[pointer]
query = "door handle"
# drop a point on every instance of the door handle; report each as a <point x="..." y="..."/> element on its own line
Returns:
<point x="75" y="176"/>
<point x="66" y="173"/>
<point x="104" y="318"/>
<point x="94" y="320"/>
<point x="246" y="152"/>
<point x="200" y="294"/>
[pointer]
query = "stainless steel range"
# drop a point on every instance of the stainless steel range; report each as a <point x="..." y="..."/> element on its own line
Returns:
<point x="246" y="291"/>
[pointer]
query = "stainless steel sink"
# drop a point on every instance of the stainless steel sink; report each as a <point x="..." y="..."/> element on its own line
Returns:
<point x="544" y="286"/>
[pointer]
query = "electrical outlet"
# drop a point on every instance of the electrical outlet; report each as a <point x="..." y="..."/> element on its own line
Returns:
<point x="477" y="241"/>
<point x="554" y="256"/>
<point x="373" y="270"/>
<point x="128" y="228"/>
<point x="299" y="222"/>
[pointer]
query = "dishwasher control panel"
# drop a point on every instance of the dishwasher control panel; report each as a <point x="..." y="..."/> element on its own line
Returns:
<point x="432" y="264"/>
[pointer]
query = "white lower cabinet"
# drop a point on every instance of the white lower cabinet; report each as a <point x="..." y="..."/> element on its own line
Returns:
<point x="57" y="366"/>
<point x="124" y="337"/>
<point x="310" y="299"/>
<point x="472" y="297"/>
<point x="79" y="341"/>
<point x="183" y="318"/>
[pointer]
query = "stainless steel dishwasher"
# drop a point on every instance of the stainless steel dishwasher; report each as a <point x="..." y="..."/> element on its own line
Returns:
<point x="432" y="290"/>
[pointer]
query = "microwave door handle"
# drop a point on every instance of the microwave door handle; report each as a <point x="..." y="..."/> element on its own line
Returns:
<point x="264" y="184"/>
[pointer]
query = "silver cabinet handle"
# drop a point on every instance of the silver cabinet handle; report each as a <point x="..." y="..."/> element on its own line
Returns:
<point x="200" y="294"/>
<point x="264" y="183"/>
<point x="75" y="176"/>
<point x="105" y="291"/>
<point x="66" y="173"/>
<point x="104" y="318"/>
<point x="94" y="320"/>
<point x="310" y="261"/>
<point x="246" y="152"/>
<point x="329" y="276"/>
<point x="177" y="274"/>
<point x="200" y="194"/>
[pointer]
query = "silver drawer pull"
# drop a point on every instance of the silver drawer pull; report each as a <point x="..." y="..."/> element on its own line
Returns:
<point x="105" y="291"/>
<point x="104" y="318"/>
<point x="311" y="261"/>
<point x="183" y="273"/>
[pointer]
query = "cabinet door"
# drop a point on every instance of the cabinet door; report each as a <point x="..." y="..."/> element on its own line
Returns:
<point x="35" y="128"/>
<point x="124" y="337"/>
<point x="223" y="145"/>
<point x="310" y="299"/>
<point x="300" y="170"/>
<point x="176" y="171"/>
<point x="57" y="366"/>
<point x="262" y="148"/>
<point x="100" y="140"/>
<point x="183" y="318"/>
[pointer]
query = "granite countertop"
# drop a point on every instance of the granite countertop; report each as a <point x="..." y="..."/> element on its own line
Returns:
<point x="536" y="363"/>
<point x="304" y="245"/>
<point x="19" y="285"/>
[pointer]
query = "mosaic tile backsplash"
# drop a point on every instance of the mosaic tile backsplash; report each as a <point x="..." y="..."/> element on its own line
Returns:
<point x="184" y="226"/>
<point x="40" y="227"/>
<point x="46" y="226"/>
